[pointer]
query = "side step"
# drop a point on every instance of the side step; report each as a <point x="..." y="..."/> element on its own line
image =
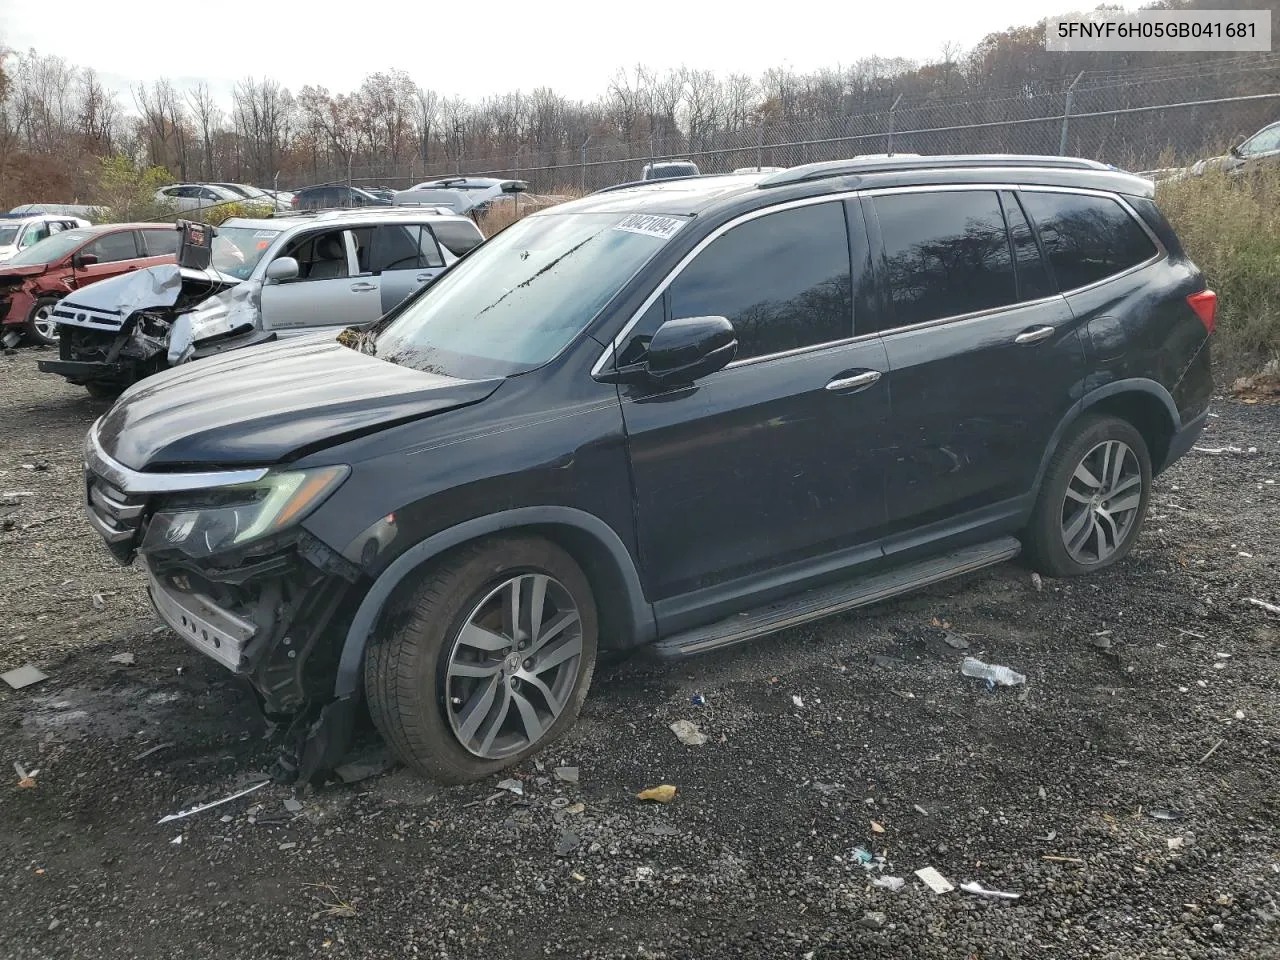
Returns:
<point x="825" y="601"/>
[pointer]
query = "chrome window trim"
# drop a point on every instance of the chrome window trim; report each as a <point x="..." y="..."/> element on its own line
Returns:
<point x="128" y="481"/>
<point x="1161" y="253"/>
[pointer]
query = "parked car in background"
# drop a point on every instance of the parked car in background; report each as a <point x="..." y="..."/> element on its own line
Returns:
<point x="1261" y="149"/>
<point x="82" y="211"/>
<point x="335" y="196"/>
<point x="255" y="196"/>
<point x="36" y="278"/>
<point x="684" y="417"/>
<point x="382" y="193"/>
<point x="190" y="197"/>
<point x="269" y="278"/>
<point x="666" y="169"/>
<point x="284" y="196"/>
<point x="21" y="230"/>
<point x="759" y="170"/>
<point x="470" y="195"/>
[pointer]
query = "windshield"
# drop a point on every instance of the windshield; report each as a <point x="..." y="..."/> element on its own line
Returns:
<point x="521" y="297"/>
<point x="8" y="236"/>
<point x="50" y="249"/>
<point x="237" y="250"/>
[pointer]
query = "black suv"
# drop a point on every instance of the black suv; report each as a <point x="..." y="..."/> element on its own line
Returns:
<point x="681" y="414"/>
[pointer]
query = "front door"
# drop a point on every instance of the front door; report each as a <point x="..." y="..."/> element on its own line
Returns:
<point x="117" y="253"/>
<point x="778" y="458"/>
<point x="984" y="360"/>
<point x="327" y="293"/>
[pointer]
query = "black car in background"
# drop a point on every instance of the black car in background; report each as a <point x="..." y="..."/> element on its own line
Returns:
<point x="330" y="196"/>
<point x="682" y="414"/>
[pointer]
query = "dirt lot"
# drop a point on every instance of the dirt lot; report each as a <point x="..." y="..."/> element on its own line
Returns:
<point x="1150" y="688"/>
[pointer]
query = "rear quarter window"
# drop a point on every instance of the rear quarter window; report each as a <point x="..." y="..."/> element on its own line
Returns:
<point x="1086" y="238"/>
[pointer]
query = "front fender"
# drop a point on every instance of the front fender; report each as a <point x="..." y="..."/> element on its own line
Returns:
<point x="637" y="610"/>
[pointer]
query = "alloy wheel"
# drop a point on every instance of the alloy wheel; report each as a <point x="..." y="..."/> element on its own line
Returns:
<point x="44" y="323"/>
<point x="1101" y="503"/>
<point x="513" y="666"/>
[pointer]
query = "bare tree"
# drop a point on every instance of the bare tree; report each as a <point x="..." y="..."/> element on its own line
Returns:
<point x="164" y="120"/>
<point x="207" y="117"/>
<point x="426" y="109"/>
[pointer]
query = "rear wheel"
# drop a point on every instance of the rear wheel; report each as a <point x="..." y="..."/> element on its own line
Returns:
<point x="1093" y="499"/>
<point x="103" y="391"/>
<point x="490" y="663"/>
<point x="40" y="326"/>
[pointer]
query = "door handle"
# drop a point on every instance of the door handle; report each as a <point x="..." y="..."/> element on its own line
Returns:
<point x="860" y="380"/>
<point x="424" y="277"/>
<point x="1035" y="336"/>
<point x="363" y="287"/>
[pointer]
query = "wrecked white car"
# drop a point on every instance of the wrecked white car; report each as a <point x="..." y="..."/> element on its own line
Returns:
<point x="249" y="282"/>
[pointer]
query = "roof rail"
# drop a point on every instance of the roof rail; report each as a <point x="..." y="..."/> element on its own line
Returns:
<point x="649" y="183"/>
<point x="855" y="165"/>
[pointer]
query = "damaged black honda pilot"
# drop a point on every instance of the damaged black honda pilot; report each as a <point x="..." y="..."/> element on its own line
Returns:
<point x="680" y="414"/>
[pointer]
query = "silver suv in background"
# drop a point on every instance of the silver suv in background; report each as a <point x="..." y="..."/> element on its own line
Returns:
<point x="265" y="279"/>
<point x="666" y="169"/>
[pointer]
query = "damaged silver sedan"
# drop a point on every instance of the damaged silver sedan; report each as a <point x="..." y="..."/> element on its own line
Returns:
<point x="249" y="282"/>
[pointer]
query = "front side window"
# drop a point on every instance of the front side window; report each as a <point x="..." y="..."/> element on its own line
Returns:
<point x="320" y="256"/>
<point x="522" y="296"/>
<point x="114" y="247"/>
<point x="35" y="233"/>
<point x="1264" y="141"/>
<point x="946" y="254"/>
<point x="782" y="280"/>
<point x="1087" y="238"/>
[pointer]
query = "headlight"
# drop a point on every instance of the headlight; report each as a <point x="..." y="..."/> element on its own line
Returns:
<point x="243" y="512"/>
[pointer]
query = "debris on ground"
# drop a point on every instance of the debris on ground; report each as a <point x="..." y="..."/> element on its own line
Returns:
<point x="919" y="809"/>
<point x="991" y="672"/>
<point x="934" y="880"/>
<point x="567" y="844"/>
<point x="176" y="840"/>
<point x="1212" y="751"/>
<point x="1037" y="581"/>
<point x="337" y="908"/>
<point x="23" y="677"/>
<point x="567" y="774"/>
<point x="876" y="827"/>
<point x="698" y="700"/>
<point x="150" y="750"/>
<point x="978" y="890"/>
<point x="362" y="769"/>
<point x="663" y="793"/>
<point x="1219" y="451"/>
<point x="124" y="659"/>
<point x="687" y="732"/>
<point x="293" y="804"/>
<point x="1163" y="813"/>
<point x="98" y="602"/>
<point x="892" y="884"/>
<point x="201" y="807"/>
<point x="827" y="789"/>
<point x="26" y="778"/>
<point x="575" y="808"/>
<point x="873" y="920"/>
<point x="512" y="786"/>
<point x="1269" y="607"/>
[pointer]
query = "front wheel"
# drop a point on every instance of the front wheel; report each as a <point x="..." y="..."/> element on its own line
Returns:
<point x="1093" y="499"/>
<point x="490" y="661"/>
<point x="40" y="326"/>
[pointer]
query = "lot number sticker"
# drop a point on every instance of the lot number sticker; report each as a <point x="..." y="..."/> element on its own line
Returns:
<point x="664" y="228"/>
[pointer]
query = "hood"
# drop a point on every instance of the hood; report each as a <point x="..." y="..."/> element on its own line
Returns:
<point x="12" y="276"/>
<point x="146" y="289"/>
<point x="7" y="251"/>
<point x="271" y="404"/>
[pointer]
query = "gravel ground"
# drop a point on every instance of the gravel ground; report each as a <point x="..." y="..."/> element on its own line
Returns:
<point x="1150" y="688"/>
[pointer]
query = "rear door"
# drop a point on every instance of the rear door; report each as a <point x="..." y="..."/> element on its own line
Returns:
<point x="160" y="245"/>
<point x="984" y="360"/>
<point x="402" y="257"/>
<point x="328" y="291"/>
<point x="117" y="253"/>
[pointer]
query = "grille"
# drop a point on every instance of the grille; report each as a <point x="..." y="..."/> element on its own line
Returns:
<point x="115" y="514"/>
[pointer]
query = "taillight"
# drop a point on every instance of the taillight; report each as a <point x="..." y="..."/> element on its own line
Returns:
<point x="293" y="201"/>
<point x="1205" y="304"/>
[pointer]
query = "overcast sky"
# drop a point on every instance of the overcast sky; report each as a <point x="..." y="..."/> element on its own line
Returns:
<point x="492" y="47"/>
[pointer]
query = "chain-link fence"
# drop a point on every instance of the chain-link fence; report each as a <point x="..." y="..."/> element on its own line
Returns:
<point x="1167" y="118"/>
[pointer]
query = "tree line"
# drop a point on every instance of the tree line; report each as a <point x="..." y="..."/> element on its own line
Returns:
<point x="56" y="117"/>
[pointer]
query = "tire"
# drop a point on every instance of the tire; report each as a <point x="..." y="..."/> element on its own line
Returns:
<point x="103" y="391"/>
<point x="435" y="718"/>
<point x="1063" y="541"/>
<point x="39" y="327"/>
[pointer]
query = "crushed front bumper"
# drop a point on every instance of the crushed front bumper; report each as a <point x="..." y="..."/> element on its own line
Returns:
<point x="197" y="619"/>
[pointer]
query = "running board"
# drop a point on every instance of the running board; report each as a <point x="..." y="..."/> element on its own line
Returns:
<point x="825" y="601"/>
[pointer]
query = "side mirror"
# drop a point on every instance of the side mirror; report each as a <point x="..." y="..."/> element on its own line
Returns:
<point x="683" y="350"/>
<point x="1235" y="151"/>
<point x="82" y="260"/>
<point x="282" y="268"/>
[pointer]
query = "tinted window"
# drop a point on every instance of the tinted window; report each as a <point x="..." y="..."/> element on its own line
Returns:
<point x="1086" y="238"/>
<point x="160" y="242"/>
<point x="114" y="247"/>
<point x="457" y="236"/>
<point x="782" y="280"/>
<point x="1033" y="277"/>
<point x="946" y="254"/>
<point x="402" y="246"/>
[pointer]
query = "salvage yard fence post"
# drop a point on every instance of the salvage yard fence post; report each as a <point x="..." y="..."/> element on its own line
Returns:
<point x="1066" y="115"/>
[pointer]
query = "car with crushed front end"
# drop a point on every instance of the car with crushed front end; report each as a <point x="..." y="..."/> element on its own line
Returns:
<point x="680" y="415"/>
